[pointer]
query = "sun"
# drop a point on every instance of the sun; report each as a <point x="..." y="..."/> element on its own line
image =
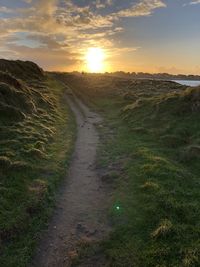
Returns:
<point x="95" y="57"/>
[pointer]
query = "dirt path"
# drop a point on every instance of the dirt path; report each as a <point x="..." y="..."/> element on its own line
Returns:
<point x="80" y="209"/>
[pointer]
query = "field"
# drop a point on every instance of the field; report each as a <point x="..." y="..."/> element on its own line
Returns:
<point x="148" y="160"/>
<point x="37" y="133"/>
<point x="150" y="149"/>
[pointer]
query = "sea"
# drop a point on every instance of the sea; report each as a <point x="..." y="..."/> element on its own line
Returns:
<point x="188" y="82"/>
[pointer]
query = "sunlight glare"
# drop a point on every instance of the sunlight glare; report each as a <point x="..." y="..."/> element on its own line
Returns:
<point x="95" y="59"/>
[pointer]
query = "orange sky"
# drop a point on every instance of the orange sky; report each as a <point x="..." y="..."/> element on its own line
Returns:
<point x="135" y="35"/>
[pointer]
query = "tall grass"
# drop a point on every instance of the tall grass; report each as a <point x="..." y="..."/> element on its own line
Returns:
<point x="36" y="139"/>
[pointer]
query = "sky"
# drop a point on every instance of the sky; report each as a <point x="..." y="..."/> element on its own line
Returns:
<point x="135" y="35"/>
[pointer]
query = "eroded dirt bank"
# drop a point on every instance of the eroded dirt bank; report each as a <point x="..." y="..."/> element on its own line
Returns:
<point x="80" y="209"/>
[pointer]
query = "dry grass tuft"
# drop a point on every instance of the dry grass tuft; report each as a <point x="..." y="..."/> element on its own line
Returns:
<point x="38" y="188"/>
<point x="191" y="258"/>
<point x="150" y="185"/>
<point x="165" y="227"/>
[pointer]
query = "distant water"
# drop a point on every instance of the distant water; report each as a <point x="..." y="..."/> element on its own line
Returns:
<point x="187" y="82"/>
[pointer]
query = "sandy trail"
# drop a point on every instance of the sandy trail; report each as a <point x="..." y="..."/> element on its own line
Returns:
<point x="80" y="209"/>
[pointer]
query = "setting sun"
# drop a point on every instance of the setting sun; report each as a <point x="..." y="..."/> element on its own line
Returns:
<point x="95" y="59"/>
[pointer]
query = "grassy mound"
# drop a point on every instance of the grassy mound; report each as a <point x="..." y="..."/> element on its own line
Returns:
<point x="172" y="118"/>
<point x="24" y="70"/>
<point x="18" y="100"/>
<point x="36" y="139"/>
<point x="178" y="101"/>
<point x="160" y="203"/>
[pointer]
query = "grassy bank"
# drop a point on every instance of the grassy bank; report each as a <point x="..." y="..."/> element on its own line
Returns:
<point x="150" y="147"/>
<point x="36" y="138"/>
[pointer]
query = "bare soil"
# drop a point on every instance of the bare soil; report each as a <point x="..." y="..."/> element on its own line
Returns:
<point x="80" y="214"/>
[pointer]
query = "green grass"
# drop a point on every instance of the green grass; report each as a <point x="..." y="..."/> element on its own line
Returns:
<point x="154" y="147"/>
<point x="34" y="157"/>
<point x="158" y="220"/>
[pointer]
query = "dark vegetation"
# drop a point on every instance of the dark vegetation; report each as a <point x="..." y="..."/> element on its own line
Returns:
<point x="145" y="75"/>
<point x="36" y="140"/>
<point x="159" y="76"/>
<point x="151" y="142"/>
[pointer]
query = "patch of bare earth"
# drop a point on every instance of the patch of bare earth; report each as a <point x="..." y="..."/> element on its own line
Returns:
<point x="80" y="214"/>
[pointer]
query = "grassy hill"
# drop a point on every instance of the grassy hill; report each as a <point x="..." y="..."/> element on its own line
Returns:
<point x="25" y="70"/>
<point x="151" y="150"/>
<point x="36" y="140"/>
<point x="149" y="155"/>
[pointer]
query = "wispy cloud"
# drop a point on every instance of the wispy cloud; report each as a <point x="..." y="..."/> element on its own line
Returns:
<point x="4" y="9"/>
<point x="143" y="8"/>
<point x="192" y="3"/>
<point x="195" y="2"/>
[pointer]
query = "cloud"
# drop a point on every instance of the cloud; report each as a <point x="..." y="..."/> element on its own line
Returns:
<point x="50" y="60"/>
<point x="100" y="4"/>
<point x="62" y="30"/>
<point x="103" y="4"/>
<point x="48" y="41"/>
<point x="109" y="2"/>
<point x="195" y="2"/>
<point x="5" y="10"/>
<point x="143" y="8"/>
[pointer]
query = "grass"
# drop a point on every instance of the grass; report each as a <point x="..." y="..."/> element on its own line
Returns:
<point x="158" y="224"/>
<point x="24" y="70"/>
<point x="155" y="208"/>
<point x="35" y="153"/>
